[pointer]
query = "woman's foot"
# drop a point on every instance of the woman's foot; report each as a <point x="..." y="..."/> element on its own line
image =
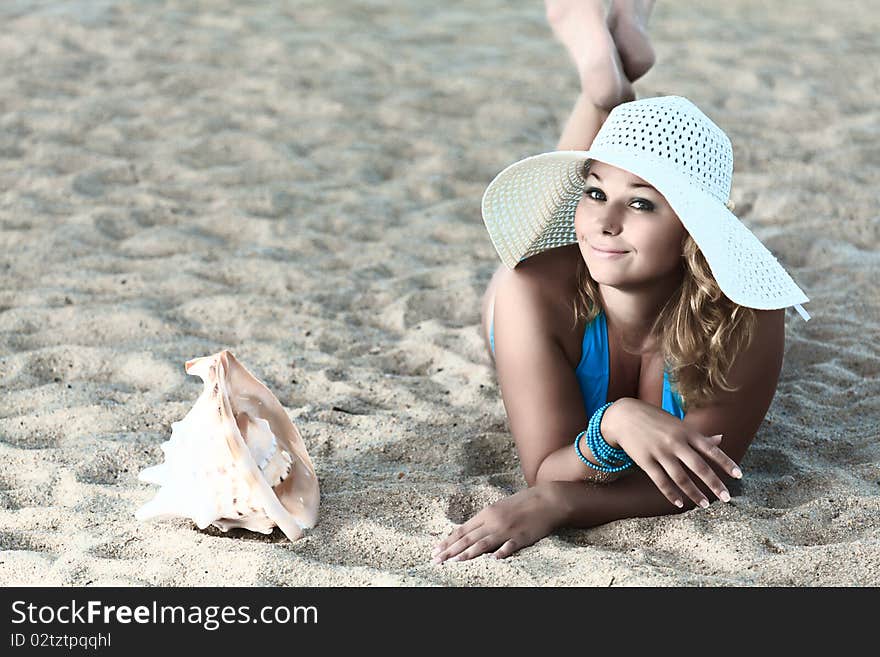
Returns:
<point x="628" y="24"/>
<point x="581" y="26"/>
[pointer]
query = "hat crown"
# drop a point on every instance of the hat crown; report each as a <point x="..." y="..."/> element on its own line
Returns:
<point x="671" y="132"/>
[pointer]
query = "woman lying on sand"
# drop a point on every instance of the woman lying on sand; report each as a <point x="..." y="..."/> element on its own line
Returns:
<point x="638" y="326"/>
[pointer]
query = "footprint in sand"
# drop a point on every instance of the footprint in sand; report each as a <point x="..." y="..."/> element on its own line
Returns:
<point x="491" y="453"/>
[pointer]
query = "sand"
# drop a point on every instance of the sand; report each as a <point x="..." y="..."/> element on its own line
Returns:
<point x="300" y="183"/>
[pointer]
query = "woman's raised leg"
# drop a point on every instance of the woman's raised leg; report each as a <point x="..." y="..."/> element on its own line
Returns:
<point x="581" y="26"/>
<point x="582" y="124"/>
<point x="628" y="24"/>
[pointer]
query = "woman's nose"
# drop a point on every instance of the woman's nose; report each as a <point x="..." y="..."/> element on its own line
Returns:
<point x="607" y="218"/>
<point x="609" y="222"/>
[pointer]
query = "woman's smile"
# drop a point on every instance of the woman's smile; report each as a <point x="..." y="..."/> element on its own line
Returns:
<point x="599" y="253"/>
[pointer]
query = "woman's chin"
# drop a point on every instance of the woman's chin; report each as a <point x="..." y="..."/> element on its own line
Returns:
<point x="599" y="272"/>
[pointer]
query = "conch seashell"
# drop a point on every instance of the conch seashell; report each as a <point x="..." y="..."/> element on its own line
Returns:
<point x="235" y="459"/>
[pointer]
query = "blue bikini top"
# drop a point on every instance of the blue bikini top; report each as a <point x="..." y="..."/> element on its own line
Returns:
<point x="593" y="370"/>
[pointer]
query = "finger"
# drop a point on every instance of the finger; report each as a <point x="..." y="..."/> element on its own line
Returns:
<point x="459" y="531"/>
<point x="662" y="481"/>
<point x="453" y="536"/>
<point x="684" y="482"/>
<point x="717" y="454"/>
<point x="699" y="467"/>
<point x="482" y="546"/>
<point x="465" y="542"/>
<point x="461" y="544"/>
<point x="456" y="535"/>
<point x="508" y="548"/>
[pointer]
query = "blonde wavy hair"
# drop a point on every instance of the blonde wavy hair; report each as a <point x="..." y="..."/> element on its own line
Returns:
<point x="699" y="330"/>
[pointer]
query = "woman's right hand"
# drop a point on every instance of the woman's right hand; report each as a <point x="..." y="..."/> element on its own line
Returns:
<point x="667" y="450"/>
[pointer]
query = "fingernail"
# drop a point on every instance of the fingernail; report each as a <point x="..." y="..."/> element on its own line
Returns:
<point x="737" y="473"/>
<point x="725" y="496"/>
<point x="718" y="435"/>
<point x="704" y="503"/>
<point x="678" y="503"/>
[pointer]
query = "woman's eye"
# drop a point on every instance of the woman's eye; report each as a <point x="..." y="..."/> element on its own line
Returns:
<point x="639" y="204"/>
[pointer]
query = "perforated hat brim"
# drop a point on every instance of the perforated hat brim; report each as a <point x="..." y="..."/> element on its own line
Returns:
<point x="671" y="144"/>
<point x="529" y="207"/>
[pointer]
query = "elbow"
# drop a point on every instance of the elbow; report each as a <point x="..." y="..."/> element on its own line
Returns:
<point x="532" y="476"/>
<point x="537" y="475"/>
<point x="544" y="475"/>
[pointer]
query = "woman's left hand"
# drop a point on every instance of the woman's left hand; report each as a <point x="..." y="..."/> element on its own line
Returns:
<point x="506" y="526"/>
<point x="672" y="453"/>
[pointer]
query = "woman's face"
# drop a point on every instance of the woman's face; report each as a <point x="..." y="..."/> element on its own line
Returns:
<point x="621" y="212"/>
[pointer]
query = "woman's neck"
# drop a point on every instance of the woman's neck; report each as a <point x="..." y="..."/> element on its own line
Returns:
<point x="632" y="311"/>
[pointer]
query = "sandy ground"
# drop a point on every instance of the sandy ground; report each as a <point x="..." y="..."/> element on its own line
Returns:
<point x="299" y="182"/>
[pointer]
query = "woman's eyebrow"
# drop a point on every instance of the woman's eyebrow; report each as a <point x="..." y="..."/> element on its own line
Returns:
<point x="631" y="185"/>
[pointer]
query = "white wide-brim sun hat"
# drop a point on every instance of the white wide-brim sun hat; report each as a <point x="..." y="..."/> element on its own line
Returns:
<point x="529" y="207"/>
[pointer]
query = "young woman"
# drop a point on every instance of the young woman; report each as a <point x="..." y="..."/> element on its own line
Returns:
<point x="637" y="326"/>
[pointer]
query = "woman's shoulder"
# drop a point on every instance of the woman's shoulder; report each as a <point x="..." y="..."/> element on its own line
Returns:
<point x="760" y="361"/>
<point x="534" y="303"/>
<point x="545" y="282"/>
<point x="768" y="335"/>
<point x="754" y="376"/>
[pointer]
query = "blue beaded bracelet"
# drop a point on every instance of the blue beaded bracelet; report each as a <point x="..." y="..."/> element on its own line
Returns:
<point x="604" y="453"/>
<point x="601" y="451"/>
<point x="611" y="459"/>
<point x="596" y="446"/>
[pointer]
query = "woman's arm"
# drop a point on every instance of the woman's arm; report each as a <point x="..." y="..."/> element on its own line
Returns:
<point x="531" y="514"/>
<point x="737" y="415"/>
<point x="537" y="378"/>
<point x="635" y="496"/>
<point x="563" y="464"/>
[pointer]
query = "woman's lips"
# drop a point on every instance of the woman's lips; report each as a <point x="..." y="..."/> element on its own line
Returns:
<point x="607" y="254"/>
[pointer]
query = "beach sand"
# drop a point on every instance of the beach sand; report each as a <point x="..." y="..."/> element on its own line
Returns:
<point x="300" y="183"/>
